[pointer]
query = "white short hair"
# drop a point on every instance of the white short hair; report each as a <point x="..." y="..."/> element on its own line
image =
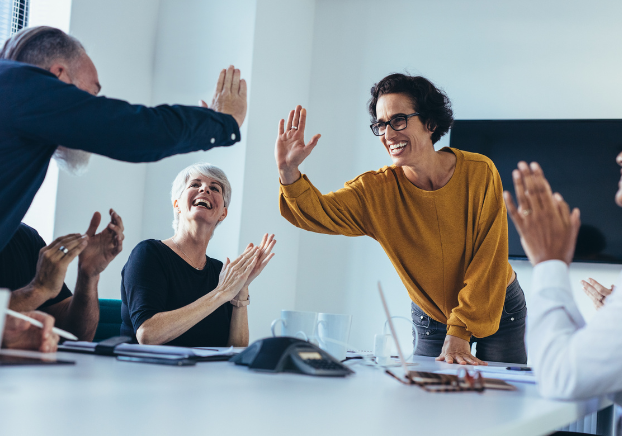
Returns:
<point x="205" y="169"/>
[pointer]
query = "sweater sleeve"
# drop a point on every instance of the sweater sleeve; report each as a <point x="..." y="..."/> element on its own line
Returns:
<point x="480" y="301"/>
<point x="337" y="213"/>
<point x="46" y="110"/>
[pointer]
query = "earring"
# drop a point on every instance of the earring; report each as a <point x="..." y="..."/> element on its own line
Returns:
<point x="178" y="210"/>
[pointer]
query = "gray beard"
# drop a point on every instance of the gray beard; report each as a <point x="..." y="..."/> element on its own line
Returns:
<point x="72" y="161"/>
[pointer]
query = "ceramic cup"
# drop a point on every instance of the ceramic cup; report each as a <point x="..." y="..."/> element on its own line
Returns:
<point x="296" y="324"/>
<point x="333" y="332"/>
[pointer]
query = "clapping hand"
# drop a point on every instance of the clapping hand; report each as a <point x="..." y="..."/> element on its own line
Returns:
<point x="264" y="256"/>
<point x="103" y="246"/>
<point x="596" y="292"/>
<point x="291" y="150"/>
<point x="54" y="260"/>
<point x="230" y="95"/>
<point x="547" y="228"/>
<point x="234" y="275"/>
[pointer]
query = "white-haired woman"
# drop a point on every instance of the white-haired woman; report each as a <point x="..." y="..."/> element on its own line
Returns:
<point x="172" y="292"/>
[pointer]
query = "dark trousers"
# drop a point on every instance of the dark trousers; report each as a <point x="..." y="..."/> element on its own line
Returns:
<point x="506" y="345"/>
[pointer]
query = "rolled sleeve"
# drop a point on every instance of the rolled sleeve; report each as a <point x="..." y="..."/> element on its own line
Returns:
<point x="459" y="332"/>
<point x="295" y="189"/>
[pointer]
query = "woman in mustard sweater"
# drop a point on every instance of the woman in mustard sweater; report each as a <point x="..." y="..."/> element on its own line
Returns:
<point x="439" y="216"/>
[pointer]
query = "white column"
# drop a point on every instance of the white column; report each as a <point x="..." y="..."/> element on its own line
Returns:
<point x="281" y="76"/>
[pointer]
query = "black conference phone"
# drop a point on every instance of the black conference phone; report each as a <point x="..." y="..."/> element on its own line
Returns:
<point x="285" y="354"/>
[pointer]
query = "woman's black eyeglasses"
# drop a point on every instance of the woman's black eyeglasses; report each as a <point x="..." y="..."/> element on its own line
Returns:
<point x="399" y="122"/>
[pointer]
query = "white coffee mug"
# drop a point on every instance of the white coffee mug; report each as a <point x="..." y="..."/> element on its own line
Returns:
<point x="333" y="332"/>
<point x="5" y="296"/>
<point x="296" y="324"/>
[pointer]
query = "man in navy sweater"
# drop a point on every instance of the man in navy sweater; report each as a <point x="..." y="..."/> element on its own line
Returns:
<point x="48" y="90"/>
<point x="50" y="108"/>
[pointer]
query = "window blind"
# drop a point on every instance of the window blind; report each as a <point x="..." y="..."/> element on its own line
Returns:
<point x="13" y="17"/>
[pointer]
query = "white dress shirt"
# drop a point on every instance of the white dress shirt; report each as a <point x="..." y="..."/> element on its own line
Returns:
<point x="572" y="358"/>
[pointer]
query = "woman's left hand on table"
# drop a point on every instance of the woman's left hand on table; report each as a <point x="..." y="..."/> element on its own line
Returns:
<point x="456" y="350"/>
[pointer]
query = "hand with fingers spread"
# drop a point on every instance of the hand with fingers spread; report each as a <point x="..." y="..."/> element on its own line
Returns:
<point x="21" y="335"/>
<point x="54" y="260"/>
<point x="230" y="95"/>
<point x="547" y="228"/>
<point x="234" y="275"/>
<point x="457" y="350"/>
<point x="291" y="150"/>
<point x="597" y="292"/>
<point x="102" y="247"/>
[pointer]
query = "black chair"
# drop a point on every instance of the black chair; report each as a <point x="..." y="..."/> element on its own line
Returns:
<point x="109" y="319"/>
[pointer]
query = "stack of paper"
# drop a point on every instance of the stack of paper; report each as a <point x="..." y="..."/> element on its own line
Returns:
<point x="498" y="372"/>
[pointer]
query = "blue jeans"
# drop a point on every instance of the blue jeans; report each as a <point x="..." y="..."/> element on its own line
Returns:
<point x="506" y="345"/>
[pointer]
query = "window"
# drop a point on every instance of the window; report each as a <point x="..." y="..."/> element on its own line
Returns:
<point x="13" y="17"/>
<point x="19" y="19"/>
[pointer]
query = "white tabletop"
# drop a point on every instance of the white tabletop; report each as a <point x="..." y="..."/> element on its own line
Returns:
<point x="102" y="396"/>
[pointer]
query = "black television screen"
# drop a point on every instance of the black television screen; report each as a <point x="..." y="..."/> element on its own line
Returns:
<point x="578" y="159"/>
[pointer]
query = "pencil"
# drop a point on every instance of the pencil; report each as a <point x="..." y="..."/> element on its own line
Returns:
<point x="36" y="323"/>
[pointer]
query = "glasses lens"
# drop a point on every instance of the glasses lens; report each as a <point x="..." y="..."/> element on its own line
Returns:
<point x="398" y="123"/>
<point x="378" y="129"/>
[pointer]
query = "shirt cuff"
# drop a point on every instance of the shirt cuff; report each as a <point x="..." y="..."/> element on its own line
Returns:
<point x="232" y="130"/>
<point x="459" y="332"/>
<point x="295" y="189"/>
<point x="551" y="274"/>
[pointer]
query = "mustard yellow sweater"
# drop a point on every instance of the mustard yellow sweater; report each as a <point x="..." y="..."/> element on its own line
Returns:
<point x="449" y="246"/>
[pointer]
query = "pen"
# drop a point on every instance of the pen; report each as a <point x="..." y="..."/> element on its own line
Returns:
<point x="518" y="368"/>
<point x="36" y="323"/>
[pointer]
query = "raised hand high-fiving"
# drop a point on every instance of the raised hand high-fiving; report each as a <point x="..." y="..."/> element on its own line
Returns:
<point x="230" y="95"/>
<point x="290" y="150"/>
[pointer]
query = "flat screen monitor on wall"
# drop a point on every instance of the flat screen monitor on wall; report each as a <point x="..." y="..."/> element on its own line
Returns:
<point x="578" y="159"/>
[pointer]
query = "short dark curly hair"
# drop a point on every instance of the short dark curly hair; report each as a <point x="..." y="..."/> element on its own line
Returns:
<point x="431" y="102"/>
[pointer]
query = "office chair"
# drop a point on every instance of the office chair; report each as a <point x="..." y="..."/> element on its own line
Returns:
<point x="109" y="319"/>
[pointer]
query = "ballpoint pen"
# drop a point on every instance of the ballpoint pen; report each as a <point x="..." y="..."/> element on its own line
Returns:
<point x="36" y="323"/>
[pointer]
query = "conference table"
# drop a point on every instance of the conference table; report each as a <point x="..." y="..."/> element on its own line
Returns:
<point x="100" y="395"/>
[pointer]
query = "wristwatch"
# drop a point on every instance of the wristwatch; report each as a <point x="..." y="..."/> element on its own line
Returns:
<point x="240" y="303"/>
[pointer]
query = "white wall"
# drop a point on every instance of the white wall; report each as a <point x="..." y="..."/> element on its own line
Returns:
<point x="280" y="75"/>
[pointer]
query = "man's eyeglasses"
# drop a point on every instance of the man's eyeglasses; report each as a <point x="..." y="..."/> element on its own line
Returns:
<point x="399" y="122"/>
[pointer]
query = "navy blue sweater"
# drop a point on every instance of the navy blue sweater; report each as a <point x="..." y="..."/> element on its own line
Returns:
<point x="38" y="112"/>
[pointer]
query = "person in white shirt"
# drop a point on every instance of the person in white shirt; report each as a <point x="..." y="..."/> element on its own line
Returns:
<point x="572" y="358"/>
